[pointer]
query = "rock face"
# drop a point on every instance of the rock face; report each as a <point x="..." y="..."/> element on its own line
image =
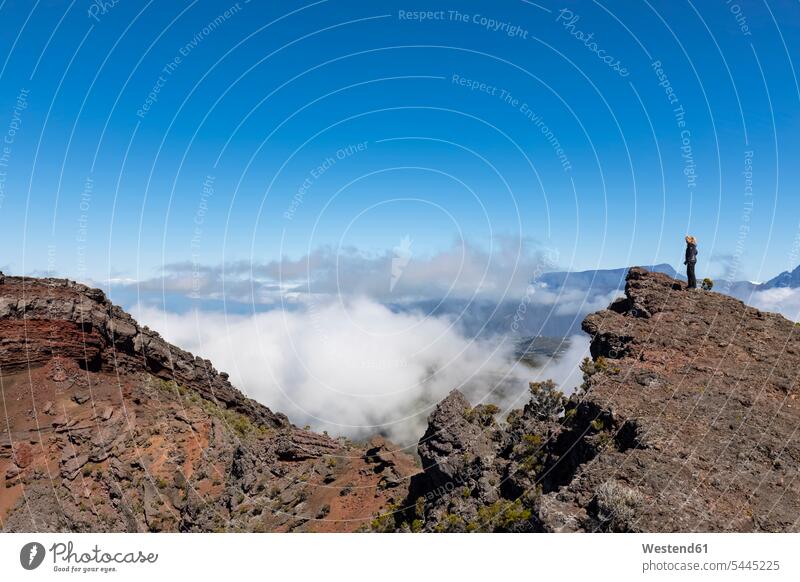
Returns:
<point x="686" y="421"/>
<point x="45" y="318"/>
<point x="107" y="427"/>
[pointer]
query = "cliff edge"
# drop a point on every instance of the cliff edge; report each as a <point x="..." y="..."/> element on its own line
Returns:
<point x="107" y="427"/>
<point x="687" y="420"/>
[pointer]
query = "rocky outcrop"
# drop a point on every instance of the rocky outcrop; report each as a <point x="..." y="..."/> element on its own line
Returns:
<point x="686" y="421"/>
<point x="107" y="427"/>
<point x="43" y="318"/>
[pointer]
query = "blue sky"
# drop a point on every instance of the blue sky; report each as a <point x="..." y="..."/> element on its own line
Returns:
<point x="277" y="128"/>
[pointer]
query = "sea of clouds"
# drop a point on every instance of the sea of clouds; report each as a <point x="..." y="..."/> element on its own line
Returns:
<point x="354" y="367"/>
<point x="359" y="344"/>
<point x="344" y="342"/>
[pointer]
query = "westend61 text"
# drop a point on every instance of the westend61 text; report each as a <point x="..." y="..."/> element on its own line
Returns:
<point x="673" y="549"/>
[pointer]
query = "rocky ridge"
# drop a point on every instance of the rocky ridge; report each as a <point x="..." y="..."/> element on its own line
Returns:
<point x="107" y="427"/>
<point x="687" y="420"/>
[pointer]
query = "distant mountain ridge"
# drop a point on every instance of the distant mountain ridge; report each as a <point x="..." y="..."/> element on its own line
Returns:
<point x="605" y="278"/>
<point x="573" y="295"/>
<point x="789" y="279"/>
<point x="615" y="279"/>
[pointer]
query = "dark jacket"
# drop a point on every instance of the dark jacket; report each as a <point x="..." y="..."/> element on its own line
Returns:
<point x="691" y="254"/>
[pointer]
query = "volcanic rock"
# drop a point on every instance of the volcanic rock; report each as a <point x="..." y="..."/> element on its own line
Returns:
<point x="145" y="436"/>
<point x="686" y="421"/>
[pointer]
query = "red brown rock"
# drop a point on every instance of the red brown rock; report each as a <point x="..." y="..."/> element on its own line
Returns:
<point x="152" y="438"/>
<point x="686" y="421"/>
<point x="23" y="454"/>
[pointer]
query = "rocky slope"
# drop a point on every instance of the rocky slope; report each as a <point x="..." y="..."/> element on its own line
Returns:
<point x="107" y="427"/>
<point x="687" y="421"/>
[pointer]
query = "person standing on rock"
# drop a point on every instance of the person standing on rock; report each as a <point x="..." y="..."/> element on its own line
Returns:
<point x="691" y="260"/>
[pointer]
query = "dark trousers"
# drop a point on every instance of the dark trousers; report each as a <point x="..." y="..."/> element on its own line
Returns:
<point x="690" y="276"/>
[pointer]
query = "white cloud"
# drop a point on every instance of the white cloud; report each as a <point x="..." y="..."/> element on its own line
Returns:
<point x="573" y="300"/>
<point x="355" y="367"/>
<point x="463" y="271"/>
<point x="783" y="300"/>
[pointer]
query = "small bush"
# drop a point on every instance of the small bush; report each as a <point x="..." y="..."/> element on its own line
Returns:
<point x="598" y="424"/>
<point x="385" y="522"/>
<point x="531" y="453"/>
<point x="514" y="417"/>
<point x="591" y="367"/>
<point x="502" y="515"/>
<point x="453" y="523"/>
<point x="482" y="414"/>
<point x="616" y="506"/>
<point x="547" y="402"/>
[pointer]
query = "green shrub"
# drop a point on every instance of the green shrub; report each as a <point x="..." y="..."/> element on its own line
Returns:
<point x="531" y="453"/>
<point x="503" y="515"/>
<point x="452" y="523"/>
<point x="591" y="367"/>
<point x="547" y="402"/>
<point x="384" y="522"/>
<point x="604" y="440"/>
<point x="483" y="414"/>
<point x="514" y="417"/>
<point x="240" y="423"/>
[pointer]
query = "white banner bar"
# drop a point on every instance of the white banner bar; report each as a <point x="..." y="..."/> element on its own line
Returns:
<point x="355" y="557"/>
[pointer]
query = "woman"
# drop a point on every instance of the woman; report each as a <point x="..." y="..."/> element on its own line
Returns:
<point x="691" y="260"/>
